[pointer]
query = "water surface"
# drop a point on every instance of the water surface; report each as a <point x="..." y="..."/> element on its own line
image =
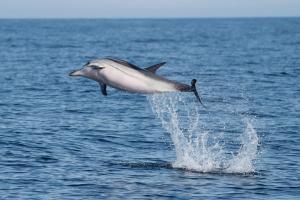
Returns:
<point x="60" y="139"/>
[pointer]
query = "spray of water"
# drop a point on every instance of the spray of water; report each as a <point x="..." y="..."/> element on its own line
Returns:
<point x="198" y="147"/>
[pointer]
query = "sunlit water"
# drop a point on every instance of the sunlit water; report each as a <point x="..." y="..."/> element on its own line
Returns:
<point x="61" y="139"/>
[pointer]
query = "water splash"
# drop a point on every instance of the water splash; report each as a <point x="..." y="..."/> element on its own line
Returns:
<point x="243" y="161"/>
<point x="197" y="146"/>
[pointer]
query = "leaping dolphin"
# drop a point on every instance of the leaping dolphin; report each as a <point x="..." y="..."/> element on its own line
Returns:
<point x="123" y="75"/>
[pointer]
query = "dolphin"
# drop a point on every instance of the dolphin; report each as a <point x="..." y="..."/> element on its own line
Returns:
<point x="123" y="75"/>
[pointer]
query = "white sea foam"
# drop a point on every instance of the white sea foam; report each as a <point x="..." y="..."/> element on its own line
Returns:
<point x="197" y="146"/>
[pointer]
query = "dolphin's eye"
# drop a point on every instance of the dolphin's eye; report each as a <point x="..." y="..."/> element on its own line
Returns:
<point x="95" y="67"/>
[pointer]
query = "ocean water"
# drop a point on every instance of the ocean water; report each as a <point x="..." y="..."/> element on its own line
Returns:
<point x="61" y="139"/>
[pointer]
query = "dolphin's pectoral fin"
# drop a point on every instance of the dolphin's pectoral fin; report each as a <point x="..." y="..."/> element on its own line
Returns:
<point x="154" y="68"/>
<point x="103" y="89"/>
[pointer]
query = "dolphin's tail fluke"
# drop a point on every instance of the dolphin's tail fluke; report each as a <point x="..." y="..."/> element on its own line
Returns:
<point x="193" y="88"/>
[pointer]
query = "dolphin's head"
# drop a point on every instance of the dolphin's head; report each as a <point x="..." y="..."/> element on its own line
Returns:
<point x="89" y="70"/>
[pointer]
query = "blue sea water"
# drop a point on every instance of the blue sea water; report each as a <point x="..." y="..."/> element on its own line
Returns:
<point x="61" y="139"/>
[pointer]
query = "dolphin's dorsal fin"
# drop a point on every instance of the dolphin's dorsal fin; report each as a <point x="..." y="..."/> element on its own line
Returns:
<point x="155" y="67"/>
<point x="103" y="89"/>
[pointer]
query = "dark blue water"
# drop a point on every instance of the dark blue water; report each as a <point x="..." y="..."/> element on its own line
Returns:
<point x="61" y="139"/>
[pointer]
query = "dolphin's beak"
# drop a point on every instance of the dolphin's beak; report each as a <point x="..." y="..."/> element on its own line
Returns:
<point x="76" y="73"/>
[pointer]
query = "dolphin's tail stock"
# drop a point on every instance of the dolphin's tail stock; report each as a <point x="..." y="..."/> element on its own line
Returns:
<point x="193" y="89"/>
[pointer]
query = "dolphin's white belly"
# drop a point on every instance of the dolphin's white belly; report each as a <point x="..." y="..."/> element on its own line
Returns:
<point x="133" y="81"/>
